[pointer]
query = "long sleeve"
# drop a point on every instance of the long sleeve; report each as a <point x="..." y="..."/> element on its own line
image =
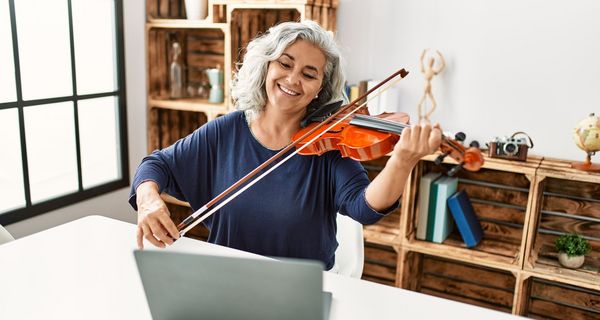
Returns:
<point x="174" y="168"/>
<point x="351" y="181"/>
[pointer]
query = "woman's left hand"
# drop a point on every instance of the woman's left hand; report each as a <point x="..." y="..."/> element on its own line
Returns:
<point x="416" y="142"/>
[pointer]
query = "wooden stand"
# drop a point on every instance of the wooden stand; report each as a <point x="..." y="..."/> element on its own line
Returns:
<point x="587" y="165"/>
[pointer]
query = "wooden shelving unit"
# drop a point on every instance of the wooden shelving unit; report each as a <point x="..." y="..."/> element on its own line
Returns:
<point x="523" y="206"/>
<point x="215" y="42"/>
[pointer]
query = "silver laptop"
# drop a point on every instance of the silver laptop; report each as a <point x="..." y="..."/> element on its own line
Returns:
<point x="193" y="286"/>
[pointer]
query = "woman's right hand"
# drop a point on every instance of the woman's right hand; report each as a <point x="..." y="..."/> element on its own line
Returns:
<point x="154" y="218"/>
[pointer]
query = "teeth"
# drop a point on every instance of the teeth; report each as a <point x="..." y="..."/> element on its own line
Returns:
<point x="288" y="91"/>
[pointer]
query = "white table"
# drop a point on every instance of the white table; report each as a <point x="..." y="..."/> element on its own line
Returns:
<point x="85" y="270"/>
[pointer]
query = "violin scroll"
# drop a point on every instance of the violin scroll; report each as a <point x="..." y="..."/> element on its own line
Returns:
<point x="469" y="159"/>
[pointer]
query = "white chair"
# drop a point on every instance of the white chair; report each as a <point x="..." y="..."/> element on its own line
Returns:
<point x="5" y="235"/>
<point x="350" y="254"/>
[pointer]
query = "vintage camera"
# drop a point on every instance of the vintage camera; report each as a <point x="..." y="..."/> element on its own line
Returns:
<point x="509" y="148"/>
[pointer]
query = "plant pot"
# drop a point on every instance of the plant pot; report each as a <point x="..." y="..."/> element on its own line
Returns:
<point x="570" y="262"/>
<point x="196" y="9"/>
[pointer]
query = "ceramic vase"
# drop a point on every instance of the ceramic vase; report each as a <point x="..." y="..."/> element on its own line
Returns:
<point x="196" y="9"/>
<point x="573" y="262"/>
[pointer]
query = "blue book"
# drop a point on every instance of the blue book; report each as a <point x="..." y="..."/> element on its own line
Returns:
<point x="466" y="220"/>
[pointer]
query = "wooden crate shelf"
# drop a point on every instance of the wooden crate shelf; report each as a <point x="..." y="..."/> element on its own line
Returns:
<point x="190" y="104"/>
<point x="166" y="126"/>
<point x="387" y="230"/>
<point x="184" y="24"/>
<point x="459" y="281"/>
<point x="555" y="300"/>
<point x="569" y="202"/>
<point x="380" y="264"/>
<point x="165" y="9"/>
<point x="500" y="193"/>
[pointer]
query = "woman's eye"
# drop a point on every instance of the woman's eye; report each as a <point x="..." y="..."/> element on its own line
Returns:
<point x="285" y="65"/>
<point x="310" y="76"/>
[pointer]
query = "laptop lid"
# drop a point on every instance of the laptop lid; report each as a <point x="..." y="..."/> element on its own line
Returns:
<point x="193" y="286"/>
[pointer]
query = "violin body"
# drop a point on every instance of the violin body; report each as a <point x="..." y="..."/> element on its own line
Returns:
<point x="358" y="143"/>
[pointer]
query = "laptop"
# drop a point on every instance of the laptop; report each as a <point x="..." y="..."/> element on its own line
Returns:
<point x="193" y="286"/>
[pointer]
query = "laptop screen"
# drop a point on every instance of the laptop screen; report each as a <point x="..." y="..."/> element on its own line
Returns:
<point x="193" y="286"/>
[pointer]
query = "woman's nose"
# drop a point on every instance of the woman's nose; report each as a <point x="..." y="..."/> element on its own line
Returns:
<point x="293" y="78"/>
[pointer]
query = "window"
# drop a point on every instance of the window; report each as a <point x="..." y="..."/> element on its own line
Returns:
<point x="63" y="130"/>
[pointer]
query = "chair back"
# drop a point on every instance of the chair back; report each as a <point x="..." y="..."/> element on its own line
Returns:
<point x="5" y="236"/>
<point x="349" y="256"/>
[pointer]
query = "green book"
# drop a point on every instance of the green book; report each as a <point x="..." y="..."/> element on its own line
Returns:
<point x="422" y="215"/>
<point x="433" y="194"/>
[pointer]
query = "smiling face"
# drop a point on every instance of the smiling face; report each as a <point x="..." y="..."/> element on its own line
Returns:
<point x="295" y="78"/>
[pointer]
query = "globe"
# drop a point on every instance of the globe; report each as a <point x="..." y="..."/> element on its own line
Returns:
<point x="587" y="137"/>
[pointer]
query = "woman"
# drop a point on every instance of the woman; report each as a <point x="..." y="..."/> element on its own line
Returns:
<point x="292" y="211"/>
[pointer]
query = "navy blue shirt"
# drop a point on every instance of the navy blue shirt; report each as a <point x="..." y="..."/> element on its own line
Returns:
<point x="289" y="213"/>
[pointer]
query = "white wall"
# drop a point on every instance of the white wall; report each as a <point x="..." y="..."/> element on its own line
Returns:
<point x="113" y="204"/>
<point x="512" y="65"/>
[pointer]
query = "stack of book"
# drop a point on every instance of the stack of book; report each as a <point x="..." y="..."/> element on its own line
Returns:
<point x="440" y="206"/>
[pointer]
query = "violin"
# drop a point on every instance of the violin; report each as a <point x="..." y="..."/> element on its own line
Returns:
<point x="375" y="137"/>
<point x="366" y="137"/>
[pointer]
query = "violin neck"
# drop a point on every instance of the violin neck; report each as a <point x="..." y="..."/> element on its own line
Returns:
<point x="383" y="125"/>
<point x="377" y="124"/>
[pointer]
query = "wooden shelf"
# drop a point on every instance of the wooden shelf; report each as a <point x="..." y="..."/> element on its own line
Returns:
<point x="185" y="24"/>
<point x="189" y="104"/>
<point x="458" y="280"/>
<point x="487" y="253"/>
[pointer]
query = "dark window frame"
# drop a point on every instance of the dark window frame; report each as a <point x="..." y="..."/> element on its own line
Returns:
<point x="31" y="210"/>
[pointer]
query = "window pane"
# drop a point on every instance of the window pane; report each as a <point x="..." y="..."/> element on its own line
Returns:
<point x="44" y="50"/>
<point x="94" y="34"/>
<point x="11" y="173"/>
<point x="7" y="75"/>
<point x="98" y="133"/>
<point x="51" y="154"/>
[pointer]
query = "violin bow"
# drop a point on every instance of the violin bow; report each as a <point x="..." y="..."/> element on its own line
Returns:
<point x="194" y="219"/>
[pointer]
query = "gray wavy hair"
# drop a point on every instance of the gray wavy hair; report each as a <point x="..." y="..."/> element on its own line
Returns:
<point x="248" y="84"/>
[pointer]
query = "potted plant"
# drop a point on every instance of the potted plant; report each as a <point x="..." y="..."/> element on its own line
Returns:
<point x="572" y="249"/>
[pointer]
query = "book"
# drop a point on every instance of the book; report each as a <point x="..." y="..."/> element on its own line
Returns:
<point x="353" y="93"/>
<point x="423" y="206"/>
<point x="373" y="103"/>
<point x="362" y="89"/>
<point x="389" y="101"/>
<point x="439" y="223"/>
<point x="465" y="218"/>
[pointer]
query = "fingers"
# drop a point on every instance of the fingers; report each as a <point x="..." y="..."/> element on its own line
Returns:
<point x="419" y="140"/>
<point x="155" y="224"/>
<point x="149" y="235"/>
<point x="435" y="138"/>
<point x="170" y="227"/>
<point x="160" y="232"/>
<point x="140" y="238"/>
